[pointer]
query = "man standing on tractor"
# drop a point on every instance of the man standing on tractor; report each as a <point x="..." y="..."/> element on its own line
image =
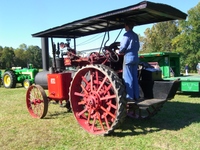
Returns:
<point x="63" y="48"/>
<point x="130" y="46"/>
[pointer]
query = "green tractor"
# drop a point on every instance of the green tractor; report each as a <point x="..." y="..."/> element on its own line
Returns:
<point x="25" y="76"/>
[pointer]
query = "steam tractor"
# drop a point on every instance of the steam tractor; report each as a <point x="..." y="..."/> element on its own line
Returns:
<point x="94" y="88"/>
<point x="15" y="75"/>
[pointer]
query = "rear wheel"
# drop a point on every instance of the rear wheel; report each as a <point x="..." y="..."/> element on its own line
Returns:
<point x="36" y="101"/>
<point x="97" y="99"/>
<point x="9" y="79"/>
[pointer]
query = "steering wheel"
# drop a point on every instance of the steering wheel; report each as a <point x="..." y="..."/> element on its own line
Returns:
<point x="110" y="51"/>
<point x="114" y="46"/>
<point x="93" y="56"/>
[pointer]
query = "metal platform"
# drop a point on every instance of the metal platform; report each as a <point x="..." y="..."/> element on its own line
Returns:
<point x="147" y="102"/>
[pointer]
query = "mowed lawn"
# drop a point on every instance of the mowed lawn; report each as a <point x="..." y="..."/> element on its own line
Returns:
<point x="175" y="127"/>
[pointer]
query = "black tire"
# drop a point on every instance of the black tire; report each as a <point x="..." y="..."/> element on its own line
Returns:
<point x="9" y="79"/>
<point x="0" y="82"/>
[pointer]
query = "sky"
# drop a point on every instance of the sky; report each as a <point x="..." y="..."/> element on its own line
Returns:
<point x="19" y="19"/>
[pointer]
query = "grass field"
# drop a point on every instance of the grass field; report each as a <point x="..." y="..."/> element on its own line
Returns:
<point x="175" y="127"/>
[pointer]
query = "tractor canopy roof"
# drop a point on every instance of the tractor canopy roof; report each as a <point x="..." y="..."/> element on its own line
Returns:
<point x="142" y="13"/>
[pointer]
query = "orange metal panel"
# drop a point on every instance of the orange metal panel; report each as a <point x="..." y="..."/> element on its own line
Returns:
<point x="58" y="85"/>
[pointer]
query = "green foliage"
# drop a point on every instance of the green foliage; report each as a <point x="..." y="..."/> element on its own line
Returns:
<point x="176" y="36"/>
<point x="158" y="38"/>
<point x="7" y="56"/>
<point x="187" y="42"/>
<point x="35" y="56"/>
<point x="21" y="56"/>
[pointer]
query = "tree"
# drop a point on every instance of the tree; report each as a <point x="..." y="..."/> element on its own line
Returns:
<point x="187" y="42"/>
<point x="34" y="56"/>
<point x="7" y="57"/>
<point x="20" y="57"/>
<point x="159" y="37"/>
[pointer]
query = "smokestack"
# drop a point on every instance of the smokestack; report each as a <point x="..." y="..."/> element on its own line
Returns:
<point x="45" y="53"/>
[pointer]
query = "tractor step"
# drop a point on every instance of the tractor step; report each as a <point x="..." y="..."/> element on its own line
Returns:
<point x="146" y="102"/>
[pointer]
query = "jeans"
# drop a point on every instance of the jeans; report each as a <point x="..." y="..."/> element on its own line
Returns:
<point x="131" y="80"/>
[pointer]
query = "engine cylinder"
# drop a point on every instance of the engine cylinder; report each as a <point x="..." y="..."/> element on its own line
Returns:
<point x="41" y="79"/>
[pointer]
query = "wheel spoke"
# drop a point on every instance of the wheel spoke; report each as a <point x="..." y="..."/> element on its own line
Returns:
<point x="89" y="115"/>
<point x="85" y="80"/>
<point x="108" y="88"/>
<point x="108" y="97"/>
<point x="100" y="121"/>
<point x="107" y="124"/>
<point x="82" y="112"/>
<point x="91" y="81"/>
<point x="111" y="105"/>
<point x="105" y="110"/>
<point x="79" y="94"/>
<point x="81" y="103"/>
<point x="102" y="83"/>
<point x="97" y="77"/>
<point x="93" y="123"/>
<point x="83" y="88"/>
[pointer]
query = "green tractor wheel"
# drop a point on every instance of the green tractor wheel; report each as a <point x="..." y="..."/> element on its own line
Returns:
<point x="26" y="83"/>
<point x="9" y="79"/>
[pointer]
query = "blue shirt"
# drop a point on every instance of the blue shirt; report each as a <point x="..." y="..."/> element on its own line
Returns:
<point x="130" y="46"/>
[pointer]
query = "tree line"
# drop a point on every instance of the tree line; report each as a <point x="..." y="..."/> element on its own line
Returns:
<point x="182" y="36"/>
<point x="20" y="57"/>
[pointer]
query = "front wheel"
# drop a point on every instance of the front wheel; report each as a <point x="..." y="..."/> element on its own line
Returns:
<point x="26" y="83"/>
<point x="97" y="99"/>
<point x="36" y="101"/>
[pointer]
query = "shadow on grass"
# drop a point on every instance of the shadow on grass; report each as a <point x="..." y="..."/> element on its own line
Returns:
<point x="189" y="94"/>
<point x="56" y="114"/>
<point x="173" y="116"/>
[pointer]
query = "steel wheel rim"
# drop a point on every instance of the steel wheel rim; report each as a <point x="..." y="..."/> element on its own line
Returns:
<point x="36" y="102"/>
<point x="94" y="108"/>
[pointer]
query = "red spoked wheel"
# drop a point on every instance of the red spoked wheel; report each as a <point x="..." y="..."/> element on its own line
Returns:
<point x="36" y="101"/>
<point x="97" y="99"/>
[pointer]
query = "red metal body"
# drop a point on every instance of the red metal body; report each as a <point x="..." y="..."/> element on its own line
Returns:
<point x="58" y="85"/>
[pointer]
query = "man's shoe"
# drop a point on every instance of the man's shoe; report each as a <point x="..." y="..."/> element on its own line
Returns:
<point x="130" y="101"/>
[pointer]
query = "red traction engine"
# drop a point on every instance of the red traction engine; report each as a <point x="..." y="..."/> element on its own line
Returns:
<point x="95" y="91"/>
